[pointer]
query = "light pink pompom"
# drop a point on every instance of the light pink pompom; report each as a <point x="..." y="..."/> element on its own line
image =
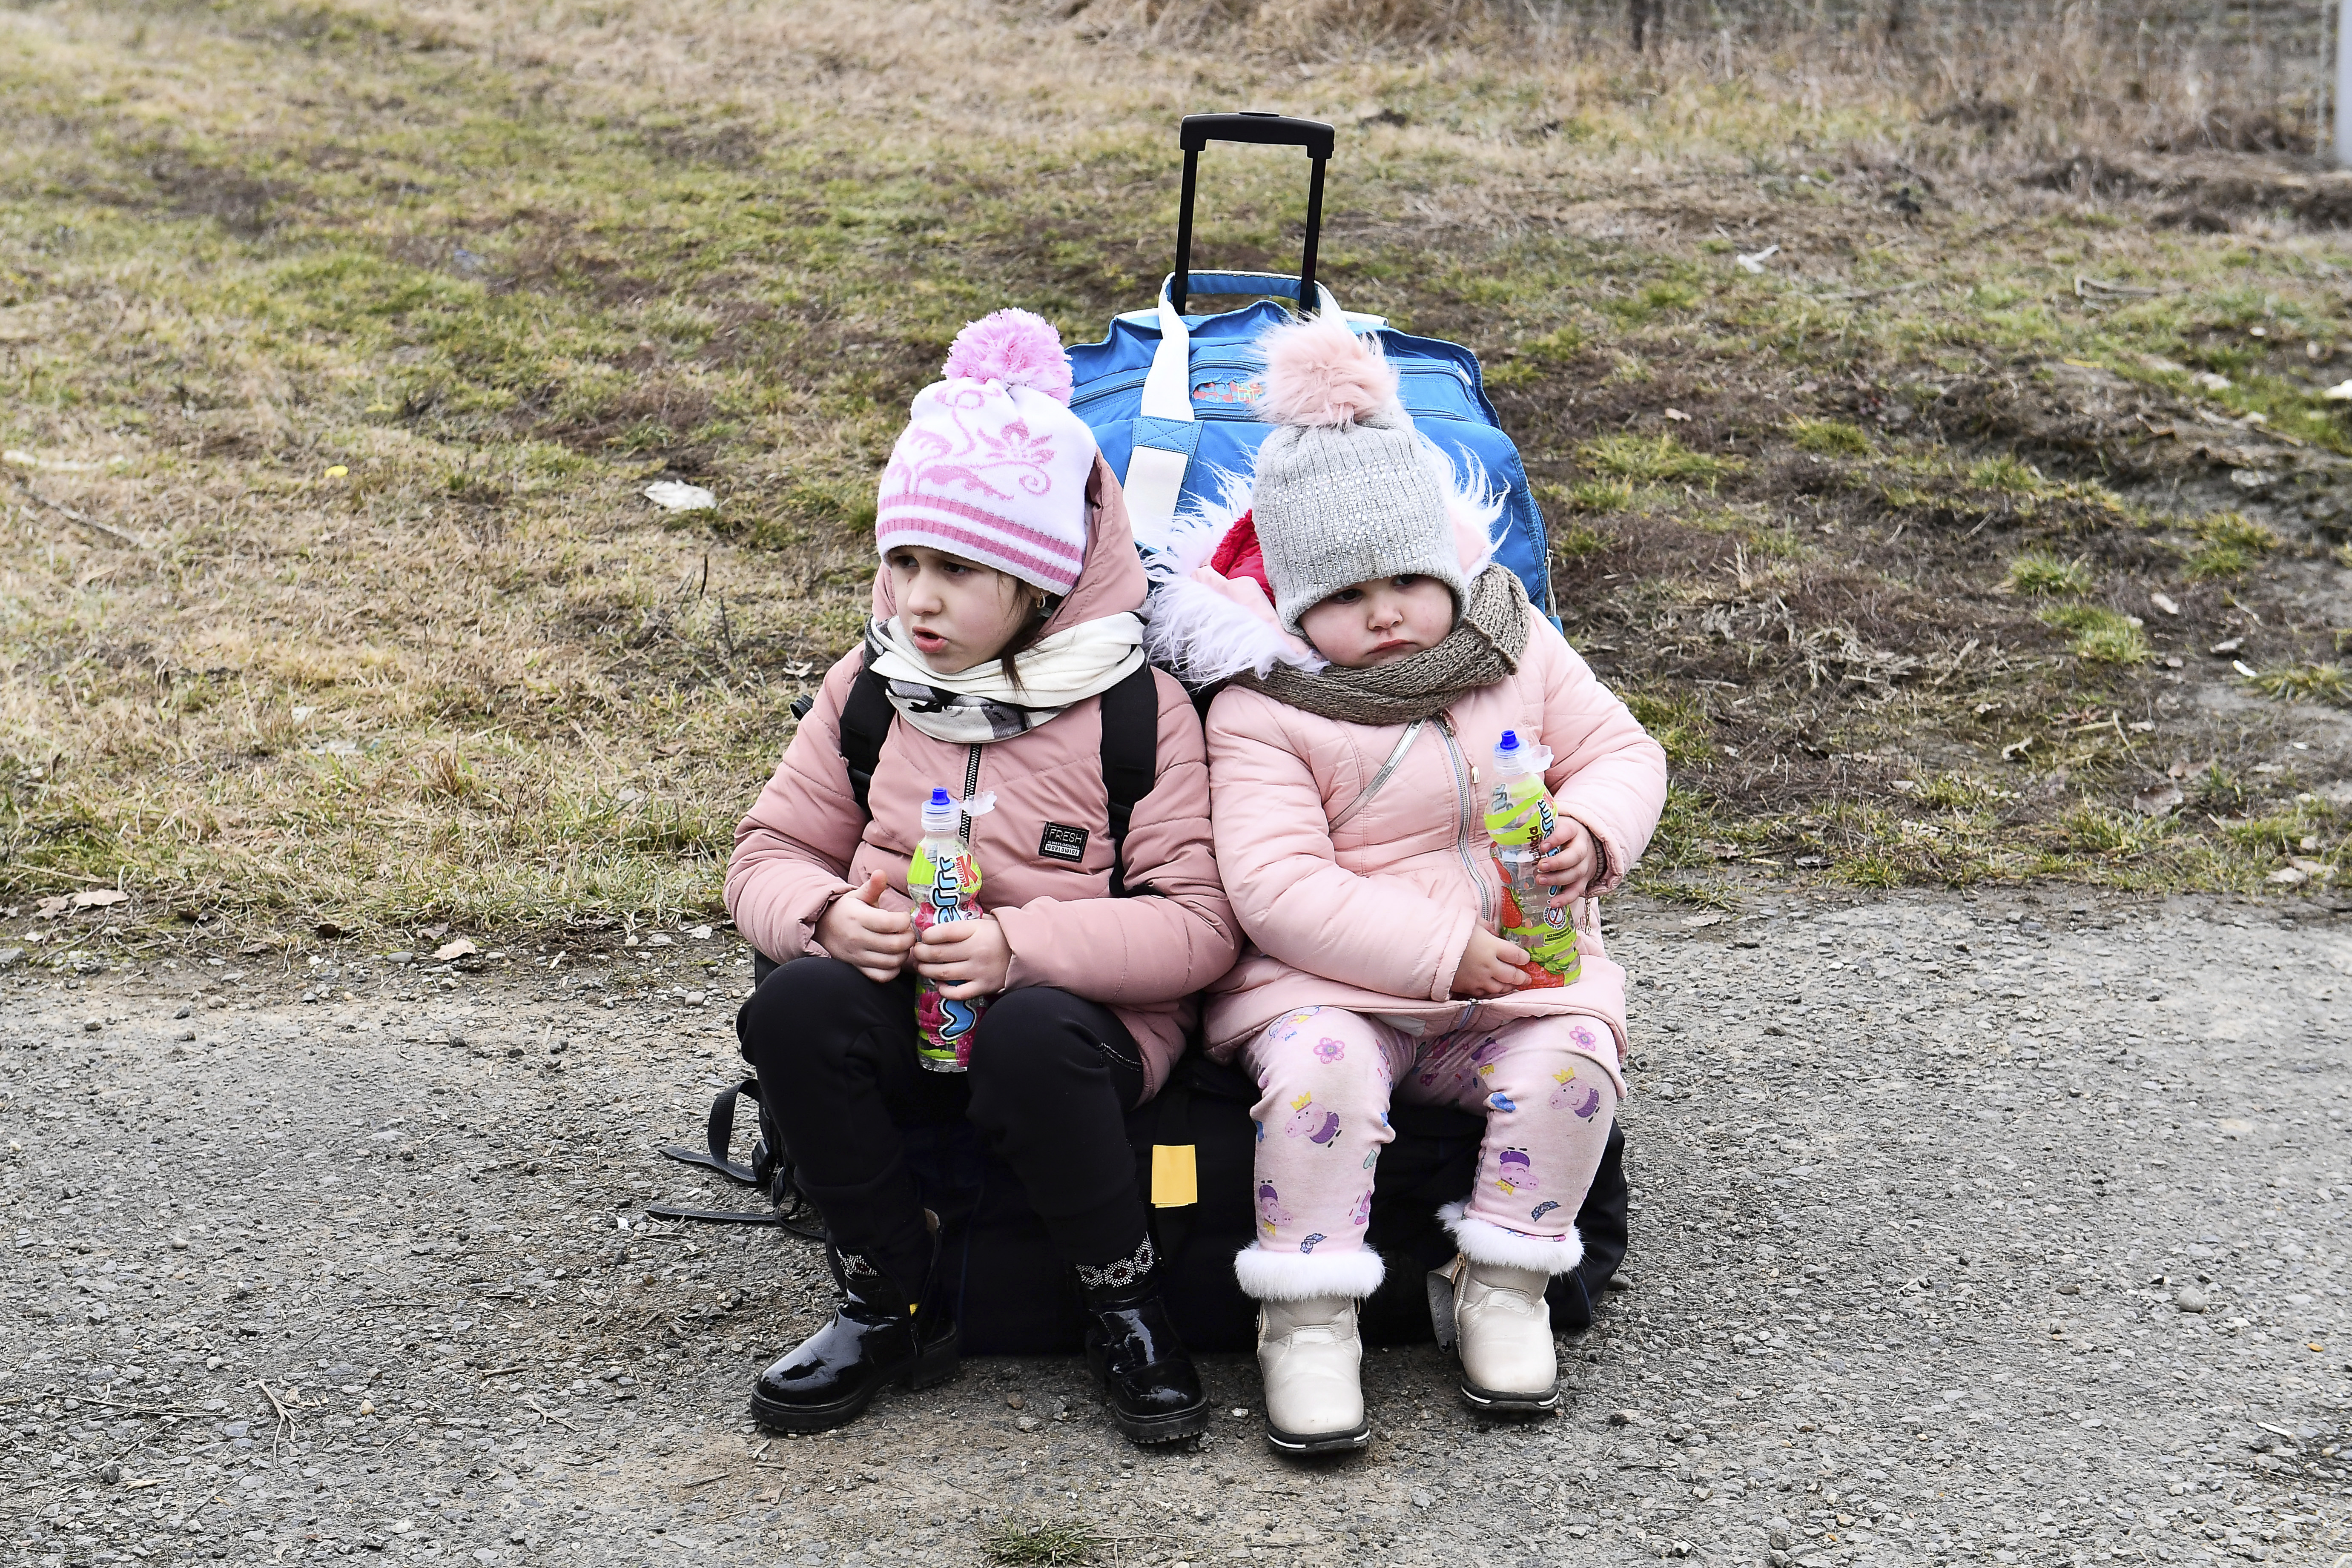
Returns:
<point x="1014" y="347"/>
<point x="1319" y="373"/>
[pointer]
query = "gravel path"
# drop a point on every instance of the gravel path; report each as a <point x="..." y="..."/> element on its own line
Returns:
<point x="2005" y="1228"/>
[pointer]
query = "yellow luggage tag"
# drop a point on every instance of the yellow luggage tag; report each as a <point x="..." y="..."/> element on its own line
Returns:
<point x="1175" y="1176"/>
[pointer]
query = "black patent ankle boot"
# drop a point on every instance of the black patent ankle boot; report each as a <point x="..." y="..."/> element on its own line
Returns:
<point x="881" y="1334"/>
<point x="1155" y="1395"/>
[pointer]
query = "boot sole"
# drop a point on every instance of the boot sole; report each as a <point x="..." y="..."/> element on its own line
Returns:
<point x="927" y="1370"/>
<point x="1163" y="1429"/>
<point x="1282" y="1442"/>
<point x="1509" y="1404"/>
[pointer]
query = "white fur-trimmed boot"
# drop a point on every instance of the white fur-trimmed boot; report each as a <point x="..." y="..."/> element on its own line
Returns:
<point x="1502" y="1324"/>
<point x="1310" y="1353"/>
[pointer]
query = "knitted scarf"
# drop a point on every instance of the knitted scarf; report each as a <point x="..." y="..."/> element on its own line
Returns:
<point x="1483" y="648"/>
<point x="979" y="705"/>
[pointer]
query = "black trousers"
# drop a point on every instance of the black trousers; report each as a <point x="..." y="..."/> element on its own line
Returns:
<point x="1051" y="1079"/>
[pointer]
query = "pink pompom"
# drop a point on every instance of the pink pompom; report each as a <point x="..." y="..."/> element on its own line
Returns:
<point x="1319" y="373"/>
<point x="1014" y="347"/>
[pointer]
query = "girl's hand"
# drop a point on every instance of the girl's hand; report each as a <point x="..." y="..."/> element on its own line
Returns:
<point x="1490" y="966"/>
<point x="1568" y="861"/>
<point x="967" y="958"/>
<point x="873" y="941"/>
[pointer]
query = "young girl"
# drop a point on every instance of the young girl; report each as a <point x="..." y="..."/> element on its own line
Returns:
<point x="1003" y="611"/>
<point x="1345" y="772"/>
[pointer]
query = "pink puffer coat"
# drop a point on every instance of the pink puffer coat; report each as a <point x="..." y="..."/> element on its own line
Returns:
<point x="805" y="843"/>
<point x="1357" y="855"/>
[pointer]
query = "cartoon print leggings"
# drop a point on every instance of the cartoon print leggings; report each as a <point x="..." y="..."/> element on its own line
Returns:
<point x="1326" y="1076"/>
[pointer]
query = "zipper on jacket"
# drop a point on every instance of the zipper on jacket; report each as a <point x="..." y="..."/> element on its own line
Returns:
<point x="1396" y="757"/>
<point x="1461" y="776"/>
<point x="971" y="788"/>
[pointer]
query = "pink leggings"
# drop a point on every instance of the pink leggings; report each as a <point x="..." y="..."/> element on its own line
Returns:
<point x="1328" y="1075"/>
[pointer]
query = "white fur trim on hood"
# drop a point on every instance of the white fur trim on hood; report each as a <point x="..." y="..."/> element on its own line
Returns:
<point x="1482" y="1241"/>
<point x="1201" y="628"/>
<point x="1268" y="1275"/>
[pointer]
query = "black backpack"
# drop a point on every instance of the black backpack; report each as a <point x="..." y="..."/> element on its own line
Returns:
<point x="1198" y="1123"/>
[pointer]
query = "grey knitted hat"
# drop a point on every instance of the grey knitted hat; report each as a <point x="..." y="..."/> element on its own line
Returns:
<point x="1344" y="493"/>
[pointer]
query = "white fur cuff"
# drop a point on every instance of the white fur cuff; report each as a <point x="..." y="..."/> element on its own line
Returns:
<point x="1305" y="1275"/>
<point x="1482" y="1241"/>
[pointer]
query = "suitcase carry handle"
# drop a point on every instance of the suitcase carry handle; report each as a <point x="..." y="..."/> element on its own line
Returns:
<point x="1264" y="129"/>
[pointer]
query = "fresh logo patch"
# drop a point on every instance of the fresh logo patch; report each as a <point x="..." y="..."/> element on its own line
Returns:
<point x="1061" y="843"/>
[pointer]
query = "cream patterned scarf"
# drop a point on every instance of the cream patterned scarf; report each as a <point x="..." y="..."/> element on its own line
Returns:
<point x="978" y="705"/>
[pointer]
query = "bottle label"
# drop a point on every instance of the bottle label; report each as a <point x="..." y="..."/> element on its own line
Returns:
<point x="1519" y="822"/>
<point x="946" y="889"/>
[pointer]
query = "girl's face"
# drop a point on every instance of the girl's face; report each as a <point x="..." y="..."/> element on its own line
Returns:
<point x="958" y="613"/>
<point x="1379" y="622"/>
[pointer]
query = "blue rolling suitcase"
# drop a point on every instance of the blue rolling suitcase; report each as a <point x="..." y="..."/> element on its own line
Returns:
<point x="1170" y="396"/>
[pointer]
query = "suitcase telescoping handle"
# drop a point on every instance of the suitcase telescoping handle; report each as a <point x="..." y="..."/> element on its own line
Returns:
<point x="1266" y="130"/>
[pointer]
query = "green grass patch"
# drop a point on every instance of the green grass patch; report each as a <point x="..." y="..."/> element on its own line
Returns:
<point x="2009" y="475"/>
<point x="1578" y="540"/>
<point x="2102" y="830"/>
<point x="1677" y="723"/>
<point x="2048" y="576"/>
<point x="1592" y="495"/>
<point x="2098" y="634"/>
<point x="2229" y="545"/>
<point x="1960" y="792"/>
<point x="1829" y="437"/>
<point x="2306" y="683"/>
<point x="1654" y="459"/>
<point x="1046" y="1544"/>
<point x="1555" y="347"/>
<point x="1651" y="300"/>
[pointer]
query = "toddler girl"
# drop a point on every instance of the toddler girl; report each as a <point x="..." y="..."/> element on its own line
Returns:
<point x="1348" y="811"/>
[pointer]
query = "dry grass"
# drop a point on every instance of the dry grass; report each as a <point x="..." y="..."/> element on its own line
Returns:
<point x="343" y="336"/>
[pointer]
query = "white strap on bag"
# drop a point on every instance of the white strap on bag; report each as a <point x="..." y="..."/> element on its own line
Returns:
<point x="1155" y="474"/>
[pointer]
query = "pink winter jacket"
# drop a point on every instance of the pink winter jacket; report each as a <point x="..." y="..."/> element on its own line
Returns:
<point x="805" y="843"/>
<point x="1357" y="862"/>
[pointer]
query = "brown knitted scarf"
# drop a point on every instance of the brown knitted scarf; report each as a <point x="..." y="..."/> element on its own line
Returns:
<point x="1483" y="648"/>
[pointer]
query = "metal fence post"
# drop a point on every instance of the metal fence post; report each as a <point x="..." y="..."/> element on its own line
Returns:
<point x="2344" y="85"/>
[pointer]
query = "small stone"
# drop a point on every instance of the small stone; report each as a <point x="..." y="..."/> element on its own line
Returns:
<point x="183" y="1012"/>
<point x="2189" y="1299"/>
<point x="10" y="957"/>
<point x="184" y="1035"/>
<point x="110" y="1472"/>
<point x="179" y="1244"/>
<point x="1014" y="1402"/>
<point x="92" y="1026"/>
<point x="1028" y="1423"/>
<point x="1625" y="1418"/>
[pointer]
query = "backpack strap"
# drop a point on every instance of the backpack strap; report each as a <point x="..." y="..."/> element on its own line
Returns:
<point x="1130" y="757"/>
<point x="866" y="719"/>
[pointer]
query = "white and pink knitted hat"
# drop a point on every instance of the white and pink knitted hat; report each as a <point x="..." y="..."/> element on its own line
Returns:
<point x="993" y="464"/>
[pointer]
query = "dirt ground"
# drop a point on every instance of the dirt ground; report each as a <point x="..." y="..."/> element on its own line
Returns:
<point x="2002" y="1228"/>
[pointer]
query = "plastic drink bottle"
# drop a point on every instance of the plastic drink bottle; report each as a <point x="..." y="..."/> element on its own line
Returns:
<point x="1520" y="820"/>
<point x="944" y="879"/>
